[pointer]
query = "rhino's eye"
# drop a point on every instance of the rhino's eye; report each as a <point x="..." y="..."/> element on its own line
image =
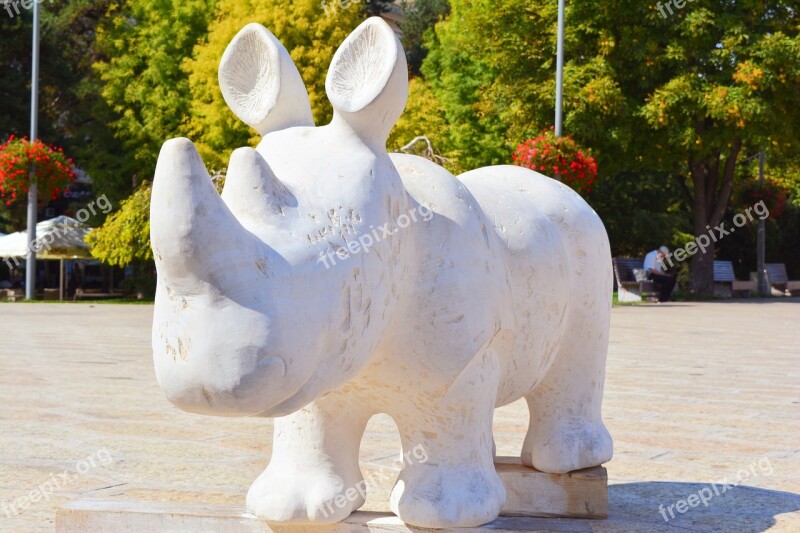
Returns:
<point x="274" y="360"/>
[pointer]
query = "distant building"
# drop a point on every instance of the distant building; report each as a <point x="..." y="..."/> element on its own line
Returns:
<point x="79" y="192"/>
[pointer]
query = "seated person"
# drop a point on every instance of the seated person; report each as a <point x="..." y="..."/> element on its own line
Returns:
<point x="654" y="267"/>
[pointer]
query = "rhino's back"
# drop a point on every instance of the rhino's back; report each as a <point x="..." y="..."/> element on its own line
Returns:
<point x="535" y="215"/>
<point x="522" y="203"/>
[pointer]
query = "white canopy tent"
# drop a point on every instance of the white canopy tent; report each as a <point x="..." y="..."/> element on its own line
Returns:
<point x="57" y="239"/>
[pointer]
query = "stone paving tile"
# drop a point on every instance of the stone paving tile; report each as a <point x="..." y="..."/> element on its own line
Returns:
<point x="695" y="393"/>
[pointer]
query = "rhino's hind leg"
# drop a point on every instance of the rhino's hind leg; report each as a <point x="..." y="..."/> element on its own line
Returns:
<point x="313" y="476"/>
<point x="448" y="477"/>
<point x="566" y="431"/>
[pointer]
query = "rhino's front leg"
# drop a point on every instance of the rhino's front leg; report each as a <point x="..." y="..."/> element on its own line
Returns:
<point x="448" y="477"/>
<point x="313" y="476"/>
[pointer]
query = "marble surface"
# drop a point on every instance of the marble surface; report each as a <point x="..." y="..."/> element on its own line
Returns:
<point x="251" y="319"/>
<point x="695" y="393"/>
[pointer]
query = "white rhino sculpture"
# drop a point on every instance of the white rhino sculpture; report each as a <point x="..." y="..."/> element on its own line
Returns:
<point x="332" y="281"/>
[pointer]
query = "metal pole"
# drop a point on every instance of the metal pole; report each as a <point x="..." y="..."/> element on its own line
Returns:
<point x="30" y="262"/>
<point x="559" y="66"/>
<point x="559" y="72"/>
<point x="763" y="286"/>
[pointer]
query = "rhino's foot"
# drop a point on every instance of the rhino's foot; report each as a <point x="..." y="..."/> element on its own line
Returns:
<point x="447" y="496"/>
<point x="308" y="497"/>
<point x="567" y="446"/>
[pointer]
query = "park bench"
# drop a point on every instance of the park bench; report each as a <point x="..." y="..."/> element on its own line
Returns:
<point x="95" y="294"/>
<point x="779" y="279"/>
<point x="11" y="294"/>
<point x="632" y="283"/>
<point x="49" y="294"/>
<point x="725" y="282"/>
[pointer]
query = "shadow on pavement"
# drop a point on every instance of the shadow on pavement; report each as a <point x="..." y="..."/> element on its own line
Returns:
<point x="775" y="300"/>
<point x="739" y="509"/>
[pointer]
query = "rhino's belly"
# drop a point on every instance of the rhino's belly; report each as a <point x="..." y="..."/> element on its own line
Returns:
<point x="540" y="289"/>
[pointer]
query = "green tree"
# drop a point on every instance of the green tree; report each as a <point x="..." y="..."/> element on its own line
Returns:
<point x="727" y="85"/>
<point x="142" y="46"/>
<point x="418" y="19"/>
<point x="486" y="64"/>
<point x="374" y="8"/>
<point x="84" y="122"/>
<point x="66" y="28"/>
<point x="685" y="94"/>
<point x="124" y="239"/>
<point x="72" y="114"/>
<point x="422" y="117"/>
<point x="639" y="208"/>
<point x="475" y="134"/>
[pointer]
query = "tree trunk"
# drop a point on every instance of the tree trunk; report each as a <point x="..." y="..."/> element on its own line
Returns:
<point x="712" y="186"/>
<point x="702" y="264"/>
<point x="702" y="268"/>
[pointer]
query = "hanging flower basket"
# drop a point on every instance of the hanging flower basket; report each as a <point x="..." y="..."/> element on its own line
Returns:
<point x="551" y="155"/>
<point x="54" y="170"/>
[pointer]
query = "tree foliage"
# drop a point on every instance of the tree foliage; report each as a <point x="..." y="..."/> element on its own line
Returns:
<point x="124" y="238"/>
<point x="715" y="81"/>
<point x="143" y="45"/>
<point x="488" y="65"/>
<point x="684" y="95"/>
<point x="422" y="117"/>
<point x="72" y="113"/>
<point x="418" y="19"/>
<point x="374" y="8"/>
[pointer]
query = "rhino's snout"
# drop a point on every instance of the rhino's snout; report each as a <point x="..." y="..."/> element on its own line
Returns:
<point x="254" y="392"/>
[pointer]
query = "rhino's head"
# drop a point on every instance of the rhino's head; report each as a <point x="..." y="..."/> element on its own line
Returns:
<point x="248" y="319"/>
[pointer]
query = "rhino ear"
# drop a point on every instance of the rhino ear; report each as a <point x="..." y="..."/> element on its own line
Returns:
<point x="367" y="82"/>
<point x="261" y="84"/>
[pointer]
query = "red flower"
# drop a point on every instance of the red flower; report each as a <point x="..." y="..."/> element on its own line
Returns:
<point x="562" y="155"/>
<point x="53" y="170"/>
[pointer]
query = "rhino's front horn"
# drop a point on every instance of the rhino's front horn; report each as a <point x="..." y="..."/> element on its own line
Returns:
<point x="194" y="235"/>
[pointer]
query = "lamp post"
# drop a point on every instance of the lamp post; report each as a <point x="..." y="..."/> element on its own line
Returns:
<point x="30" y="257"/>
<point x="559" y="66"/>
<point x="762" y="235"/>
<point x="559" y="71"/>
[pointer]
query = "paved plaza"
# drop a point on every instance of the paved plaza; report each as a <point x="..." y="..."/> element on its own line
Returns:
<point x="696" y="393"/>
